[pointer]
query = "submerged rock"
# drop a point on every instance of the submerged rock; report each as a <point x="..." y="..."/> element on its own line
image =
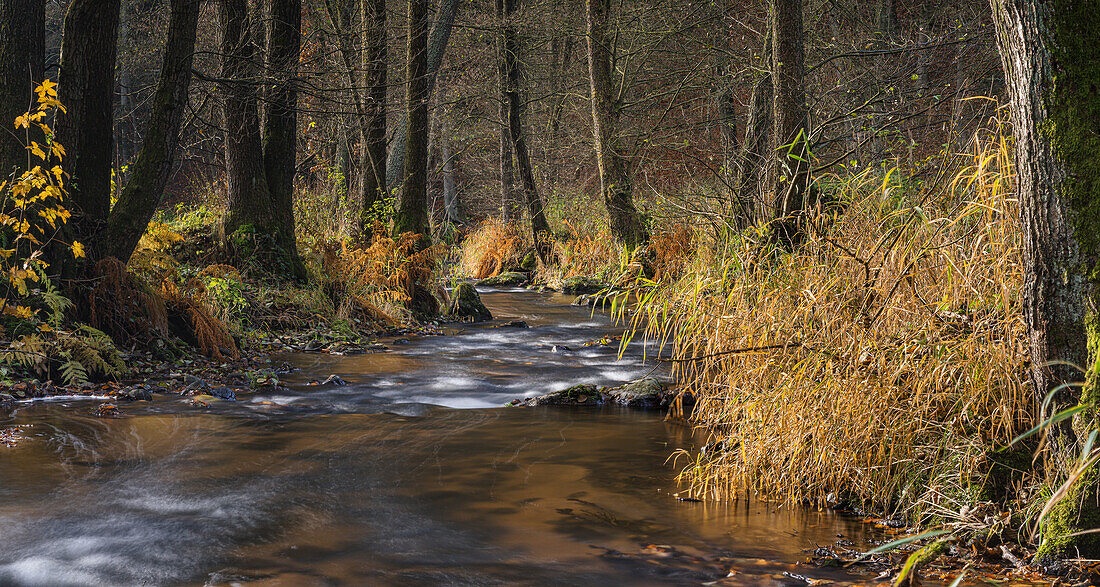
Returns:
<point x="513" y="324"/>
<point x="580" y="285"/>
<point x="466" y="304"/>
<point x="508" y="279"/>
<point x="7" y="401"/>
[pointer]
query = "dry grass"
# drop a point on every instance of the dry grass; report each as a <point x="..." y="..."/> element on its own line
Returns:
<point x="880" y="361"/>
<point x="492" y="248"/>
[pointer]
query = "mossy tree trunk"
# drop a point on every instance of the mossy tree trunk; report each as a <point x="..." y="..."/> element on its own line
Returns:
<point x="616" y="182"/>
<point x="86" y="130"/>
<point x="513" y="96"/>
<point x="150" y="172"/>
<point x="280" y="132"/>
<point x="249" y="206"/>
<point x="411" y="213"/>
<point x="22" y="48"/>
<point x="1053" y="80"/>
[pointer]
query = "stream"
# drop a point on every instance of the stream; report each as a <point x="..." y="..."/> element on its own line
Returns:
<point x="411" y="474"/>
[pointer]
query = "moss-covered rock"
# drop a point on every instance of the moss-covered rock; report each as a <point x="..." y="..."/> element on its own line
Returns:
<point x="530" y="262"/>
<point x="644" y="393"/>
<point x="578" y="395"/>
<point x="581" y="285"/>
<point x="466" y="305"/>
<point x="508" y="279"/>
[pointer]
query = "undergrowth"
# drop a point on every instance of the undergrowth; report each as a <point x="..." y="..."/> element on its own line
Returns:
<point x="880" y="362"/>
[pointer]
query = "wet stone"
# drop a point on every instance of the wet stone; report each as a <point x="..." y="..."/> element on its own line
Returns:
<point x="224" y="393"/>
<point x="134" y="394"/>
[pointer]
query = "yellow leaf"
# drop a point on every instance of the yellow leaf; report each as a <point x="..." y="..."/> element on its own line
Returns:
<point x="78" y="250"/>
<point x="46" y="88"/>
<point x="36" y="150"/>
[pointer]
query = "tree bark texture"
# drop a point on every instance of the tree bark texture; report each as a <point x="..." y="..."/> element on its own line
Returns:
<point x="411" y="214"/>
<point x="153" y="167"/>
<point x="86" y="89"/>
<point x="616" y="183"/>
<point x="22" y="55"/>
<point x="1053" y="82"/>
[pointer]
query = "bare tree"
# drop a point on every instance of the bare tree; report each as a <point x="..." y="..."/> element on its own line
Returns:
<point x="789" y="108"/>
<point x="513" y="97"/>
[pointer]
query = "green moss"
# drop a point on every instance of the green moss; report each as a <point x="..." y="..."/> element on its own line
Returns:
<point x="1068" y="516"/>
<point x="1073" y="106"/>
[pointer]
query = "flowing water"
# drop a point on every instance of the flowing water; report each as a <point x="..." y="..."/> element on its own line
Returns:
<point x="412" y="474"/>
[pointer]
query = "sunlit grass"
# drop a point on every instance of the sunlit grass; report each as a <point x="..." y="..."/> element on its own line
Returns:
<point x="880" y="361"/>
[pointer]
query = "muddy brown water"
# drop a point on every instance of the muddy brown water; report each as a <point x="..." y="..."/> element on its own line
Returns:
<point x="412" y="474"/>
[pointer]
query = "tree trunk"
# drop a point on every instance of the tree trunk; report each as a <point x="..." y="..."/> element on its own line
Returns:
<point x="789" y="106"/>
<point x="450" y="190"/>
<point x="1058" y="184"/>
<point x="372" y="149"/>
<point x="756" y="156"/>
<point x="411" y="214"/>
<point x="437" y="46"/>
<point x="22" y="55"/>
<point x="280" y="132"/>
<point x="509" y="204"/>
<point x="756" y="162"/>
<point x="562" y="57"/>
<point x="87" y="129"/>
<point x="616" y="184"/>
<point x="513" y="65"/>
<point x="150" y="172"/>
<point x="249" y="198"/>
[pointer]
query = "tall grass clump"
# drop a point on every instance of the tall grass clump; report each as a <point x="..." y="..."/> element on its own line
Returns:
<point x="880" y="361"/>
<point x="491" y="248"/>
